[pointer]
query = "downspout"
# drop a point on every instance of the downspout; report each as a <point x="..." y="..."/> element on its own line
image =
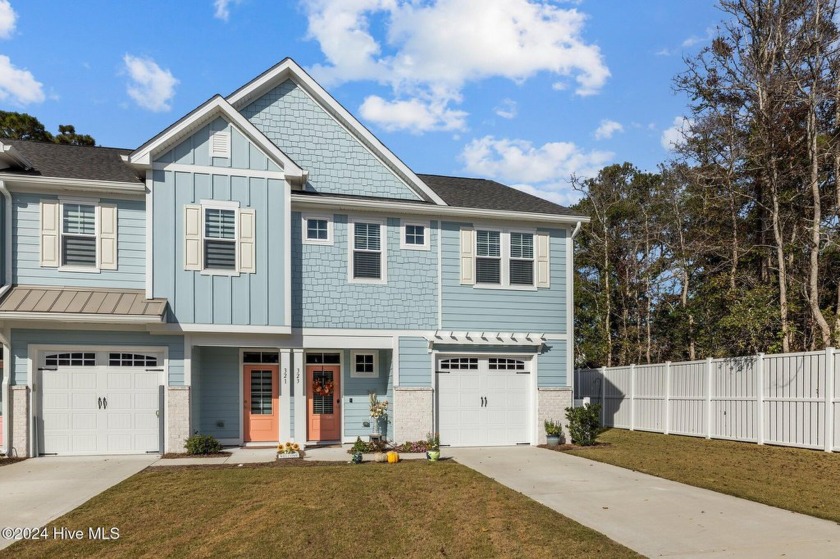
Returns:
<point x="570" y="311"/>
<point x="6" y="355"/>
<point x="4" y="337"/>
<point x="576" y="231"/>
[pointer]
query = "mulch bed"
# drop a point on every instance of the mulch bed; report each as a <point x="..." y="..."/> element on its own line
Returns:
<point x="8" y="461"/>
<point x="223" y="454"/>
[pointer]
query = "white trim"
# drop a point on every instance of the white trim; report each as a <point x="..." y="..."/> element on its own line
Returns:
<point x="285" y="379"/>
<point x="287" y="270"/>
<point x="383" y="250"/>
<point x="305" y="217"/>
<point x="426" y="233"/>
<point x="505" y="258"/>
<point x="440" y="274"/>
<point x="6" y="353"/>
<point x="299" y="381"/>
<point x="216" y="106"/>
<point x="289" y="69"/>
<point x="80" y="317"/>
<point x="150" y="231"/>
<point x="570" y="307"/>
<point x="94" y="202"/>
<point x="220" y="328"/>
<point x="352" y="368"/>
<point x="301" y="201"/>
<point x="221" y="171"/>
<point x="395" y="362"/>
<point x="27" y="182"/>
<point x="224" y="140"/>
<point x="225" y="205"/>
<point x="220" y="204"/>
<point x="188" y="349"/>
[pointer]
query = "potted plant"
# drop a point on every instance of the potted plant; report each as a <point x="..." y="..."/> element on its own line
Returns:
<point x="433" y="446"/>
<point x="553" y="432"/>
<point x="378" y="411"/>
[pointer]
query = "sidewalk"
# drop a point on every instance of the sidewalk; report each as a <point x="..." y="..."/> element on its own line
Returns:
<point x="653" y="516"/>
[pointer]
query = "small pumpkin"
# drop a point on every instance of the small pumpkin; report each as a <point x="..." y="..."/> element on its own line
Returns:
<point x="380" y="457"/>
<point x="393" y="457"/>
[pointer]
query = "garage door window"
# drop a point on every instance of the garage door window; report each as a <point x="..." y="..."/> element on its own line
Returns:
<point x="459" y="364"/>
<point x="132" y="360"/>
<point x="70" y="360"/>
<point x="497" y="364"/>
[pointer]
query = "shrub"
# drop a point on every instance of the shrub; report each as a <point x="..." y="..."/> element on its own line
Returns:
<point x="553" y="428"/>
<point x="203" y="444"/>
<point x="584" y="423"/>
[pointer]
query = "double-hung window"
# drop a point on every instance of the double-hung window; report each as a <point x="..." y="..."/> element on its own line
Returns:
<point x="367" y="259"/>
<point x="521" y="268"/>
<point x="488" y="261"/>
<point x="78" y="235"/>
<point x="219" y="239"/>
<point x="504" y="258"/>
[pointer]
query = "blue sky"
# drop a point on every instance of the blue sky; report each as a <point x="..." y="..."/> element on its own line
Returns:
<point x="520" y="91"/>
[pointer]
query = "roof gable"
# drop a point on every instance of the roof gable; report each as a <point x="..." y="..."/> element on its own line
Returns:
<point x="289" y="71"/>
<point x="60" y="161"/>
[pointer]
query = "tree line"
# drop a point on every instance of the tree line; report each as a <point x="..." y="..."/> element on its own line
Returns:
<point x="731" y="247"/>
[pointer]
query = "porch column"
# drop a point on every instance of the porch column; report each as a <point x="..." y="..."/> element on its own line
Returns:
<point x="285" y="395"/>
<point x="299" y="368"/>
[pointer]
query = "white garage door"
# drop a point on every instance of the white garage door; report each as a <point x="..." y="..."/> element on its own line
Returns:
<point x="483" y="401"/>
<point x="100" y="403"/>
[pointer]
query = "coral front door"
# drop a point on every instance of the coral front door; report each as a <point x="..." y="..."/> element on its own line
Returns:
<point x="261" y="390"/>
<point x="324" y="402"/>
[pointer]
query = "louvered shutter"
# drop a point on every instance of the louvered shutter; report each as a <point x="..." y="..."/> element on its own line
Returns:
<point x="543" y="269"/>
<point x="108" y="237"/>
<point x="220" y="144"/>
<point x="467" y="256"/>
<point x="192" y="237"/>
<point x="247" y="241"/>
<point x="49" y="234"/>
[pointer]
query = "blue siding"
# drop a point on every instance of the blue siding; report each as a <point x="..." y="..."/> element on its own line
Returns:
<point x="22" y="338"/>
<point x="468" y="308"/>
<point x="336" y="160"/>
<point x="131" y="247"/>
<point x="552" y="365"/>
<point x="359" y="389"/>
<point x="218" y="394"/>
<point x="415" y="362"/>
<point x="195" y="150"/>
<point x="323" y="298"/>
<point x="248" y="299"/>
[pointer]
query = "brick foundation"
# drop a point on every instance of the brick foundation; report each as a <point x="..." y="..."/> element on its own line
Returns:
<point x="552" y="404"/>
<point x="178" y="418"/>
<point x="20" y="418"/>
<point x="413" y="413"/>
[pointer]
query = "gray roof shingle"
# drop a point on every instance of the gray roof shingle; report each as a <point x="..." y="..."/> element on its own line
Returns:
<point x="74" y="162"/>
<point x="489" y="195"/>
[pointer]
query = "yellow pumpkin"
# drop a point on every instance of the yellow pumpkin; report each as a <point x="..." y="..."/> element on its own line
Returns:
<point x="393" y="457"/>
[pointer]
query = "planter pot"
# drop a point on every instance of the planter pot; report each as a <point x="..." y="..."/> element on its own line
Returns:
<point x="356" y="458"/>
<point x="552" y="440"/>
<point x="434" y="455"/>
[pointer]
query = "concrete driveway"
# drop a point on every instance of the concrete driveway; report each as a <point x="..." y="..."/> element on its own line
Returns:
<point x="34" y="492"/>
<point x="653" y="516"/>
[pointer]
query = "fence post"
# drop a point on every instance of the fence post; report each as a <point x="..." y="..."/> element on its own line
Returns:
<point x="708" y="397"/>
<point x="604" y="397"/>
<point x="759" y="398"/>
<point x="632" y="397"/>
<point x="667" y="422"/>
<point x="829" y="399"/>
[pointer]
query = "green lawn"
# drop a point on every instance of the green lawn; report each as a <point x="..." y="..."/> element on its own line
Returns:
<point x="800" y="480"/>
<point x="410" y="509"/>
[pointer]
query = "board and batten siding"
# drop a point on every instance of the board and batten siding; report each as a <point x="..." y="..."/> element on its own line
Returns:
<point x="470" y="308"/>
<point x="415" y="362"/>
<point x="323" y="297"/>
<point x="195" y="150"/>
<point x="357" y="412"/>
<point x="336" y="160"/>
<point x="26" y="242"/>
<point x="217" y="394"/>
<point x="551" y="365"/>
<point x="73" y="339"/>
<point x="248" y="299"/>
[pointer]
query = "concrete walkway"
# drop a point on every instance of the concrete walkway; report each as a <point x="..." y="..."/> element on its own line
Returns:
<point x="653" y="516"/>
<point x="35" y="491"/>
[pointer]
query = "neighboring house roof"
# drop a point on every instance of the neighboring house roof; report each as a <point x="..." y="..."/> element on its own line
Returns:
<point x="490" y="195"/>
<point x="73" y="162"/>
<point x="59" y="302"/>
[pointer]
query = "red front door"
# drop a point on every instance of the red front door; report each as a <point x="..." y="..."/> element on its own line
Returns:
<point x="261" y="391"/>
<point x="324" y="402"/>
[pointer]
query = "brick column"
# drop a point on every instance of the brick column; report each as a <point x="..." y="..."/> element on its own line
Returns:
<point x="413" y="413"/>
<point x="552" y="404"/>
<point x="20" y="418"/>
<point x="178" y="418"/>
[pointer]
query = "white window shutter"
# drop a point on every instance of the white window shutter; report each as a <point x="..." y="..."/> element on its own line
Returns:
<point x="107" y="237"/>
<point x="49" y="233"/>
<point x="192" y="237"/>
<point x="467" y="256"/>
<point x="247" y="241"/>
<point x="543" y="269"/>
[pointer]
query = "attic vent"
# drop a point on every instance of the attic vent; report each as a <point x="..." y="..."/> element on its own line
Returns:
<point x="220" y="144"/>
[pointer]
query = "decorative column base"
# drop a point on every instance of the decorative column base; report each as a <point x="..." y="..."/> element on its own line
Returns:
<point x="413" y="413"/>
<point x="21" y="424"/>
<point x="178" y="418"/>
<point x="552" y="404"/>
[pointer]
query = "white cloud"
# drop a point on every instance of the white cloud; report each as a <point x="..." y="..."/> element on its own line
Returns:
<point x="607" y="128"/>
<point x="697" y="39"/>
<point x="18" y="85"/>
<point x="222" y="8"/>
<point x="547" y="168"/>
<point x="507" y="109"/>
<point x="8" y="19"/>
<point x="674" y="136"/>
<point x="151" y="86"/>
<point x="428" y="53"/>
<point x="413" y="115"/>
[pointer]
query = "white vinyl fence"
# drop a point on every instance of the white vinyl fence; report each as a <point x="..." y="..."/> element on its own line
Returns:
<point x="790" y="399"/>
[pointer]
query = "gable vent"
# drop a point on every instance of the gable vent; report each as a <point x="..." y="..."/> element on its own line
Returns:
<point x="220" y="144"/>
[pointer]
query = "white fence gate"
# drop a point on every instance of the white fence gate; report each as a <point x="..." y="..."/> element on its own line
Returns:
<point x="790" y="399"/>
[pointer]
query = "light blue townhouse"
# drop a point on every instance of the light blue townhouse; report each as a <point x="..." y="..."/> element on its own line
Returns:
<point x="260" y="268"/>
